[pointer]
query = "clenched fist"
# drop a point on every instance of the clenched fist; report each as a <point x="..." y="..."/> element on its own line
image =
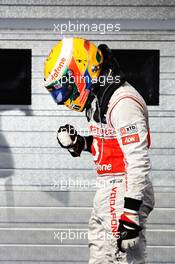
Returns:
<point x="68" y="138"/>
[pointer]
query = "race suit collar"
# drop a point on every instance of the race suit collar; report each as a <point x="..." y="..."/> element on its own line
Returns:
<point x="103" y="93"/>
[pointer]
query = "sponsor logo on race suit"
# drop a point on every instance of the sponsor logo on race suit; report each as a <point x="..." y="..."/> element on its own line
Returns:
<point x="130" y="139"/>
<point x="128" y="130"/>
<point x="106" y="151"/>
<point x="104" y="167"/>
<point x="129" y="134"/>
<point x="99" y="132"/>
<point x="114" y="222"/>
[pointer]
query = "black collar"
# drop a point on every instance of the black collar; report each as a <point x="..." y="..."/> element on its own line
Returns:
<point x="104" y="92"/>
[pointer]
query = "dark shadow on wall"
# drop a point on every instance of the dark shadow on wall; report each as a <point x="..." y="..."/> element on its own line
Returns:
<point x="8" y="173"/>
<point x="6" y="157"/>
<point x="7" y="164"/>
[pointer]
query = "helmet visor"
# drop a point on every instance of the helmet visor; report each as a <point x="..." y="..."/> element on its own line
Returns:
<point x="64" y="89"/>
<point x="60" y="92"/>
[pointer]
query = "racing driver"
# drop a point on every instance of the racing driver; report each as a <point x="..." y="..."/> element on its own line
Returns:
<point x="119" y="141"/>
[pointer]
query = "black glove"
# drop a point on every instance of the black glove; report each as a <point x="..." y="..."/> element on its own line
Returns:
<point x="68" y="138"/>
<point x="129" y="227"/>
<point x="129" y="235"/>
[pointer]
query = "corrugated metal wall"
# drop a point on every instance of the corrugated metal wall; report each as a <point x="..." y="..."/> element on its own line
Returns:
<point x="34" y="207"/>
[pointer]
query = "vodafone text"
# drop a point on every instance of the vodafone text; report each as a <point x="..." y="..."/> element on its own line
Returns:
<point x="58" y="69"/>
<point x="114" y="222"/>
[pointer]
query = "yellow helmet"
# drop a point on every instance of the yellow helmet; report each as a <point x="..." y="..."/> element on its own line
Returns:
<point x="70" y="70"/>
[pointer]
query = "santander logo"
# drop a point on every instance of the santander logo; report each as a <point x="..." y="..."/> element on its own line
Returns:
<point x="58" y="69"/>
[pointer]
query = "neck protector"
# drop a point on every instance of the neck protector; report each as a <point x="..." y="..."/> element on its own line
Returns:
<point x="103" y="92"/>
